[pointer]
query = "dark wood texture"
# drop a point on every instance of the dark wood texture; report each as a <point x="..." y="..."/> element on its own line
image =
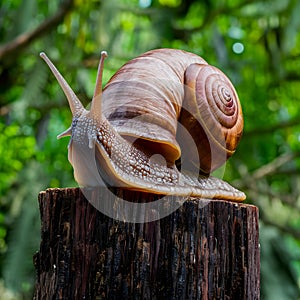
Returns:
<point x="203" y="250"/>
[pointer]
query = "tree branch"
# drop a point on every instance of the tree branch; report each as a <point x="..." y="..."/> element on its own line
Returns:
<point x="24" y="39"/>
<point x="267" y="169"/>
<point x="265" y="190"/>
<point x="249" y="180"/>
<point x="272" y="128"/>
<point x="274" y="165"/>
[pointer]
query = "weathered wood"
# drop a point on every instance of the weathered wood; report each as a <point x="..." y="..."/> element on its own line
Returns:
<point x="203" y="250"/>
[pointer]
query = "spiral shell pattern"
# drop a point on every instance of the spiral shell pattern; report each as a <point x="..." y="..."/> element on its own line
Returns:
<point x="215" y="117"/>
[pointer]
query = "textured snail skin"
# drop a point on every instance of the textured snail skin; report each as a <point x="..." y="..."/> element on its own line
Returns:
<point x="99" y="149"/>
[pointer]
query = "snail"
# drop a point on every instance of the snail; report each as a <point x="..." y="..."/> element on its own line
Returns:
<point x="135" y="128"/>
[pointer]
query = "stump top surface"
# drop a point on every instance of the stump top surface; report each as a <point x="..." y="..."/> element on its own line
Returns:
<point x="76" y="192"/>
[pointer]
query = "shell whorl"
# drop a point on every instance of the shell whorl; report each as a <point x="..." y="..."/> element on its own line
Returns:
<point x="212" y="115"/>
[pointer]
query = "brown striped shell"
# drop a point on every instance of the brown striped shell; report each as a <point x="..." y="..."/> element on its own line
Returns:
<point x="175" y="104"/>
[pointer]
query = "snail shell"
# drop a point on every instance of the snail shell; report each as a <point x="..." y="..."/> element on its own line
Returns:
<point x="150" y="94"/>
<point x="135" y="131"/>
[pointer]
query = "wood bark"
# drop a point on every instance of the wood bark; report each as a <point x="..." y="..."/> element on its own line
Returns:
<point x="203" y="250"/>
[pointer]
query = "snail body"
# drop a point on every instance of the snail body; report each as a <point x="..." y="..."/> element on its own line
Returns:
<point x="134" y="134"/>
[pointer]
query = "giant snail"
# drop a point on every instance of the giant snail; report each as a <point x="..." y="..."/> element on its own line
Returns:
<point x="137" y="125"/>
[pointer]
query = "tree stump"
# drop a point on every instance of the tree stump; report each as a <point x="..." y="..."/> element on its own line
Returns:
<point x="205" y="249"/>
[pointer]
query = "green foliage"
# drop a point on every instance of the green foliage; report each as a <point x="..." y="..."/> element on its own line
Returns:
<point x="256" y="43"/>
<point x="17" y="147"/>
<point x="275" y="258"/>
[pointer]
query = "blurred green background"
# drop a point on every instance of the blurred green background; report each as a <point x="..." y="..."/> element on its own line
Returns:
<point x="256" y="43"/>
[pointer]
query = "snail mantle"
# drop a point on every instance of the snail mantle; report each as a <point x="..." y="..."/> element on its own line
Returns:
<point x="202" y="250"/>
